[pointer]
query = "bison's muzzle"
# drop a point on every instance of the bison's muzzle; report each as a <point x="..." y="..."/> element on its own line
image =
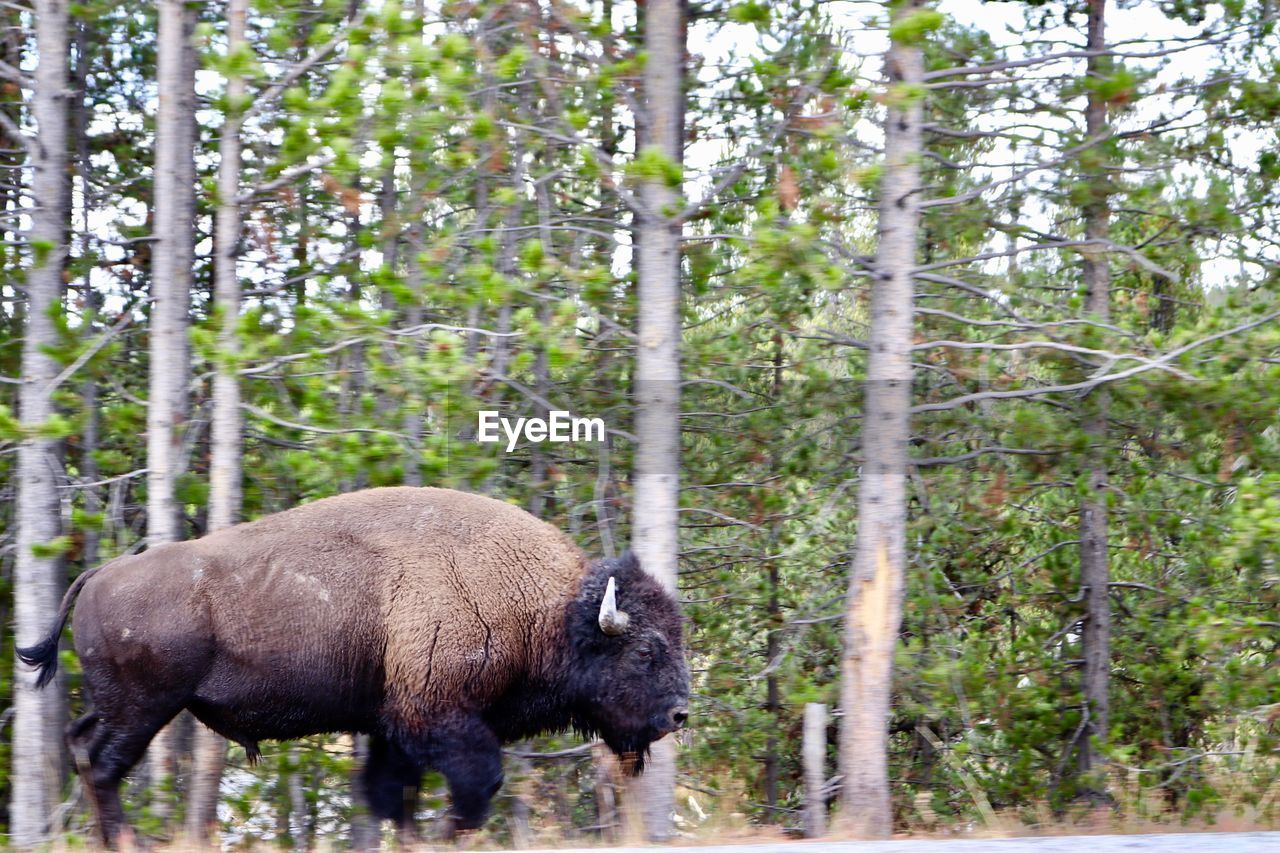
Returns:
<point x="674" y="720"/>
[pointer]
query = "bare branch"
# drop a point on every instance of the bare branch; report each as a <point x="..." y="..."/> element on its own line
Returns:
<point x="15" y="75"/>
<point x="299" y="68"/>
<point x="935" y="461"/>
<point x="12" y="129"/>
<point x="267" y="416"/>
<point x="1096" y="381"/>
<point x="105" y="338"/>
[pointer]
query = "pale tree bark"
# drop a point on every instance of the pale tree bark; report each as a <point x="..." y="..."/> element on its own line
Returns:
<point x="412" y="424"/>
<point x="656" y="478"/>
<point x="172" y="258"/>
<point x="40" y="715"/>
<point x="413" y="317"/>
<point x="366" y="832"/>
<point x="874" y="603"/>
<point x="92" y="300"/>
<point x="227" y="426"/>
<point x="539" y="465"/>
<point x="607" y="779"/>
<point x="1095" y="570"/>
<point x="300" y="828"/>
<point x="814" y="751"/>
<point x="226" y="430"/>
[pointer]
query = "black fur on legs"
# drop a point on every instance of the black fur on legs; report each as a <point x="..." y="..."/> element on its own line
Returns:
<point x="391" y="779"/>
<point x="111" y="756"/>
<point x="469" y="754"/>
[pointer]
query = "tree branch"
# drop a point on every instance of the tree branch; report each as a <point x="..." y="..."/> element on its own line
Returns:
<point x="1094" y="382"/>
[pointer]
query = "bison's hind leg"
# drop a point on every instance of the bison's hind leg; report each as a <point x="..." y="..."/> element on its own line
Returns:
<point x="110" y="760"/>
<point x="139" y="680"/>
<point x="104" y="753"/>
<point x="391" y="780"/>
<point x="80" y="738"/>
<point x="80" y="731"/>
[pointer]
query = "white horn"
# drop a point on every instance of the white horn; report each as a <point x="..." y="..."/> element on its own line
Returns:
<point x="612" y="620"/>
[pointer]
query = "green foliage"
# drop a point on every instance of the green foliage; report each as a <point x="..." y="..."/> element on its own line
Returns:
<point x="902" y="95"/>
<point x="913" y="28"/>
<point x="55" y="427"/>
<point x="652" y="165"/>
<point x="51" y="549"/>
<point x="749" y="13"/>
<point x="10" y="427"/>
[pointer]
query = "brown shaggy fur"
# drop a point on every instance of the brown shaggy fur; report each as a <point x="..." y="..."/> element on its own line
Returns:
<point x="468" y="615"/>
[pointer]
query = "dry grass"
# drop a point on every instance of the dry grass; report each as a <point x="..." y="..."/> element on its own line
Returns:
<point x="1135" y="809"/>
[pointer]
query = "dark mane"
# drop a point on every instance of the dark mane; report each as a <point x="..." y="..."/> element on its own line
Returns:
<point x="556" y="702"/>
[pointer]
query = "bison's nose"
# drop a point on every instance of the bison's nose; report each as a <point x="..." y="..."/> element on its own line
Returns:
<point x="679" y="717"/>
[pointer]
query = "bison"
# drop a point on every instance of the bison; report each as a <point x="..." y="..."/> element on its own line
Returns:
<point x="441" y="623"/>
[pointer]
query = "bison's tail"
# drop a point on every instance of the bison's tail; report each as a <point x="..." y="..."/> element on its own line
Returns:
<point x="44" y="654"/>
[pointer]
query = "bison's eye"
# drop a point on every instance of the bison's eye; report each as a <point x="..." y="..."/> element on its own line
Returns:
<point x="644" y="650"/>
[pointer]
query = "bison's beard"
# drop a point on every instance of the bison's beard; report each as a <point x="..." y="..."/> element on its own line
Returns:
<point x="632" y="748"/>
<point x="631" y="753"/>
<point x="632" y="763"/>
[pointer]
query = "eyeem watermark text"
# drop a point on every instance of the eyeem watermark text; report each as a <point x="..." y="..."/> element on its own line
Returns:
<point x="558" y="428"/>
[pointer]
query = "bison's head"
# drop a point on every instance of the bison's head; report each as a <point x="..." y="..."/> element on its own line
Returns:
<point x="630" y="674"/>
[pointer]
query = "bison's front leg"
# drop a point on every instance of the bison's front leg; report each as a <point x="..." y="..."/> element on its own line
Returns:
<point x="391" y="779"/>
<point x="469" y="755"/>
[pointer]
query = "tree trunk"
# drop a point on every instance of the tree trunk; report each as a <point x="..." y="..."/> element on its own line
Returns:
<point x="88" y="463"/>
<point x="814" y="750"/>
<point x="227" y="426"/>
<point x="210" y="753"/>
<point x="39" y="716"/>
<point x="283" y="801"/>
<point x="874" y="604"/>
<point x="1095" y="571"/>
<point x="300" y="826"/>
<point x="773" y="701"/>
<point x="520" y="793"/>
<point x="172" y="257"/>
<point x="539" y="465"/>
<point x="773" y="615"/>
<point x="412" y="423"/>
<point x="655" y="511"/>
<point x="606" y="787"/>
<point x="365" y="830"/>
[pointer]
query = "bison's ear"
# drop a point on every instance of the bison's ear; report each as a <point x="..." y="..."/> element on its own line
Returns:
<point x="612" y="620"/>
